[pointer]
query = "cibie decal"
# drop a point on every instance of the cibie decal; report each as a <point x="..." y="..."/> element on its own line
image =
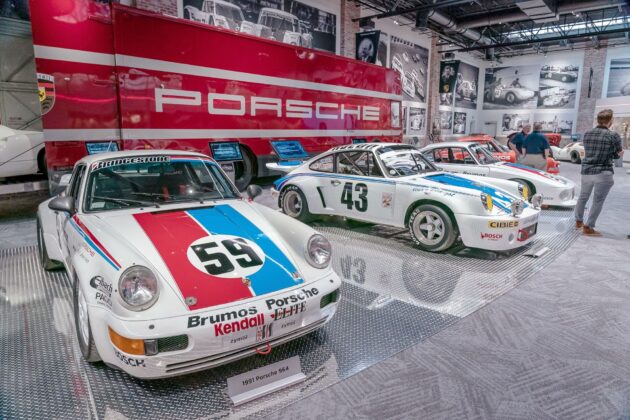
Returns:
<point x="226" y="256"/>
<point x="46" y="91"/>
<point x="494" y="224"/>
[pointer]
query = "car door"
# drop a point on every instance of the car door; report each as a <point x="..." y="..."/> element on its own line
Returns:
<point x="361" y="191"/>
<point x="68" y="235"/>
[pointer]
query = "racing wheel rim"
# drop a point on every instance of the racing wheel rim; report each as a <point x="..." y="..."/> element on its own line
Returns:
<point x="292" y="204"/>
<point x="428" y="227"/>
<point x="84" y="323"/>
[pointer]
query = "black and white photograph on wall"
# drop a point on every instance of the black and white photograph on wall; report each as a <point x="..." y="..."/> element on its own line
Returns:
<point x="558" y="86"/>
<point x="446" y="120"/>
<point x="459" y="123"/>
<point x="15" y="9"/>
<point x="448" y="77"/>
<point x="555" y="123"/>
<point x="466" y="86"/>
<point x="619" y="78"/>
<point x="367" y="46"/>
<point x="511" y="87"/>
<point x="395" y="111"/>
<point x="383" y="46"/>
<point x="513" y="122"/>
<point x="410" y="61"/>
<point x="287" y="21"/>
<point x="417" y="118"/>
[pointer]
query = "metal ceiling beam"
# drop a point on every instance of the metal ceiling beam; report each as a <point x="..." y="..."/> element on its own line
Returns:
<point x="539" y="40"/>
<point x="422" y="8"/>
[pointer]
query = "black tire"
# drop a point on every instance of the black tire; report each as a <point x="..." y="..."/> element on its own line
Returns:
<point x="425" y="242"/>
<point x="44" y="260"/>
<point x="245" y="170"/>
<point x="293" y="203"/>
<point x="41" y="162"/>
<point x="575" y="157"/>
<point x="510" y="98"/>
<point x="529" y="185"/>
<point x="88" y="347"/>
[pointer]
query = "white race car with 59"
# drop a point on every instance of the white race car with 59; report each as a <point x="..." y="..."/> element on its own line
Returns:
<point x="173" y="271"/>
<point x="393" y="184"/>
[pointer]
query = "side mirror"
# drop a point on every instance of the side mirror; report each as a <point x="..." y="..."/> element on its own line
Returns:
<point x="65" y="204"/>
<point x="254" y="191"/>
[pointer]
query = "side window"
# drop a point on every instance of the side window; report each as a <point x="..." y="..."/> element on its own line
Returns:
<point x="352" y="163"/>
<point x="373" y="168"/>
<point x="441" y="156"/>
<point x="77" y="177"/>
<point x="461" y="156"/>
<point x="325" y="164"/>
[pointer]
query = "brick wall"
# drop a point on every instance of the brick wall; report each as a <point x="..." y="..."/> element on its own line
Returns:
<point x="349" y="11"/>
<point x="593" y="59"/>
<point x="165" y="7"/>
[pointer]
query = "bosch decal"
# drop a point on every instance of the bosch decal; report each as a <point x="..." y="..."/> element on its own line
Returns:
<point x="491" y="236"/>
<point x="239" y="105"/>
<point x="495" y="224"/>
<point x="103" y="291"/>
<point x="130" y="361"/>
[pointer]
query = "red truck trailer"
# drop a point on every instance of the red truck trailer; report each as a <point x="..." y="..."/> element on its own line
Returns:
<point x="115" y="77"/>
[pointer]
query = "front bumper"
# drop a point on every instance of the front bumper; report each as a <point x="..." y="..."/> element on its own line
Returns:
<point x="498" y="233"/>
<point x="560" y="197"/>
<point x="217" y="337"/>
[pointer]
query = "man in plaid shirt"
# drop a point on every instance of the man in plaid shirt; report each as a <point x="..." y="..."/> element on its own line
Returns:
<point x="601" y="147"/>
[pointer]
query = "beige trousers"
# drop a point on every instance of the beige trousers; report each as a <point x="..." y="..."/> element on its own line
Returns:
<point x="535" y="161"/>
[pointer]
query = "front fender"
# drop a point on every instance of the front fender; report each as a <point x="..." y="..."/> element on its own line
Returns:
<point x="504" y="184"/>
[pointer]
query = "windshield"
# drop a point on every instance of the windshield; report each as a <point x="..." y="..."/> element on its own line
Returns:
<point x="154" y="180"/>
<point x="483" y="155"/>
<point x="404" y="162"/>
<point x="279" y="23"/>
<point x="230" y="12"/>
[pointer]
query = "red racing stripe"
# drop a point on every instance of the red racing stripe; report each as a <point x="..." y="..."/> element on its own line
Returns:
<point x="93" y="238"/>
<point x="172" y="233"/>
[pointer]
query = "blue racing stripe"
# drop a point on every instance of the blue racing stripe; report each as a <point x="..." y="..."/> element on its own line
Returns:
<point x="93" y="245"/>
<point x="276" y="272"/>
<point x="500" y="199"/>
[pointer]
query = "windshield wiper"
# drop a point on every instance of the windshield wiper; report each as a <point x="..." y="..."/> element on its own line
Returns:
<point x="126" y="201"/>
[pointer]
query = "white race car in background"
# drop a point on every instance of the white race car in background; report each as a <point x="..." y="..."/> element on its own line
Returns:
<point x="21" y="152"/>
<point x="393" y="184"/>
<point x="573" y="152"/>
<point x="473" y="159"/>
<point x="174" y="271"/>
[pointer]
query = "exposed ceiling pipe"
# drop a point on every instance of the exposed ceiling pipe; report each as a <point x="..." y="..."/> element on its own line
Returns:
<point x="451" y="25"/>
<point x="564" y="9"/>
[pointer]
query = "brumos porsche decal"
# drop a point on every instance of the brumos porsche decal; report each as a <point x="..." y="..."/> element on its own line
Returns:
<point x="93" y="242"/>
<point x="217" y="256"/>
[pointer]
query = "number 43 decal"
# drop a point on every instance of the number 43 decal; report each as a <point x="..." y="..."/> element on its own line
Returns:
<point x="346" y="196"/>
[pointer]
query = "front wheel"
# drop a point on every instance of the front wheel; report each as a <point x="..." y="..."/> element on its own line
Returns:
<point x="431" y="228"/>
<point x="44" y="259"/>
<point x="294" y="204"/>
<point x="575" y="157"/>
<point x="510" y="98"/>
<point x="83" y="327"/>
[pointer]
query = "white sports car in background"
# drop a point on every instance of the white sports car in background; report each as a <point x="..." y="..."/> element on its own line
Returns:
<point x="393" y="184"/>
<point x="573" y="152"/>
<point x="174" y="271"/>
<point x="21" y="152"/>
<point x="473" y="159"/>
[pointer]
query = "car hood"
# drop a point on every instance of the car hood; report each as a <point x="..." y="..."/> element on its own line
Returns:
<point x="523" y="170"/>
<point x="467" y="185"/>
<point x="210" y="255"/>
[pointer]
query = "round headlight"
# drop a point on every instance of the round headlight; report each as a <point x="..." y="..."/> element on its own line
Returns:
<point x="486" y="201"/>
<point x="318" y="251"/>
<point x="138" y="288"/>
<point x="524" y="191"/>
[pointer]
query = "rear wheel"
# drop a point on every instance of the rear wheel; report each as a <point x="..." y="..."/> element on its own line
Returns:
<point x="294" y="204"/>
<point x="45" y="261"/>
<point x="244" y="170"/>
<point x="431" y="228"/>
<point x="510" y="98"/>
<point x="83" y="327"/>
<point x="575" y="157"/>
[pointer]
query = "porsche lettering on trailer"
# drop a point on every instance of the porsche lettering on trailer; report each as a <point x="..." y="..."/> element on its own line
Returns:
<point x="239" y="105"/>
<point x="179" y="256"/>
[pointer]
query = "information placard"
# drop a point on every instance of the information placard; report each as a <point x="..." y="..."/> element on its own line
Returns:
<point x="262" y="381"/>
<point x="289" y="150"/>
<point x="94" y="148"/>
<point x="226" y="151"/>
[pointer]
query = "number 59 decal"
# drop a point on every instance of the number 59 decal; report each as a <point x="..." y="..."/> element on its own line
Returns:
<point x="226" y="256"/>
<point x="346" y="196"/>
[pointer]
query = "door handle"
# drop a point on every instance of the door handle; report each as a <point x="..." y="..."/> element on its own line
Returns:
<point x="335" y="183"/>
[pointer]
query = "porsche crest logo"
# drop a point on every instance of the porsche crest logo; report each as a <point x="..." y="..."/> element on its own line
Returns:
<point x="46" y="88"/>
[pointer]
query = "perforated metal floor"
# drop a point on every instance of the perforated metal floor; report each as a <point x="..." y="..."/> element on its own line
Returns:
<point x="394" y="296"/>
